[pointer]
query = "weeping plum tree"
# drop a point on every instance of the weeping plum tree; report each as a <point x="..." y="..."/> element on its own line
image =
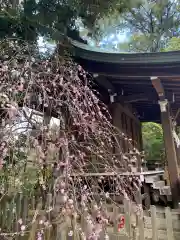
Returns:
<point x="57" y="157"/>
<point x="27" y="19"/>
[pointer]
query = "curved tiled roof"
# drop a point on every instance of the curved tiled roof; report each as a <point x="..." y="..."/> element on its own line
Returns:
<point x="97" y="54"/>
<point x="132" y="72"/>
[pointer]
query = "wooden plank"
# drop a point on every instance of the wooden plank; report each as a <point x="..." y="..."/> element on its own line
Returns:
<point x="113" y="236"/>
<point x="146" y="196"/>
<point x="156" y="82"/>
<point x="74" y="228"/>
<point x="140" y="215"/>
<point x="162" y="235"/>
<point x="48" y="206"/>
<point x="120" y="173"/>
<point x="160" y="210"/>
<point x="161" y="223"/>
<point x="32" y="233"/>
<point x="127" y="112"/>
<point x="25" y="209"/>
<point x="127" y="208"/>
<point x="104" y="82"/>
<point x="83" y="219"/>
<point x="61" y="232"/>
<point x="170" y="153"/>
<point x="141" y="225"/>
<point x="115" y="217"/>
<point x="33" y="204"/>
<point x="169" y="225"/>
<point x="18" y="211"/>
<point x="154" y="223"/>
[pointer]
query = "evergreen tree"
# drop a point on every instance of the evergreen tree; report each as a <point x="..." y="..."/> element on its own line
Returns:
<point x="153" y="141"/>
<point x="152" y="24"/>
<point x="55" y="19"/>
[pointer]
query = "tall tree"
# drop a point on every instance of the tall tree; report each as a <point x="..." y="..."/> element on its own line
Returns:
<point x="28" y="18"/>
<point x="152" y="23"/>
<point x="153" y="141"/>
<point x="172" y="45"/>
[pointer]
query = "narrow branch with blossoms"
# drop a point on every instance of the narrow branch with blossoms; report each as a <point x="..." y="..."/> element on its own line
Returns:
<point x="40" y="157"/>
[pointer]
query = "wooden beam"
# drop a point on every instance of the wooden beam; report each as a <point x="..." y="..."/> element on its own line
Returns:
<point x="138" y="97"/>
<point x="171" y="84"/>
<point x="135" y="77"/>
<point x="177" y="114"/>
<point x="171" y="78"/>
<point x="147" y="200"/>
<point x="103" y="81"/>
<point x="130" y="82"/>
<point x="168" y="140"/>
<point x="172" y="88"/>
<point x="178" y="155"/>
<point x="170" y="154"/>
<point x="146" y="96"/>
<point x="156" y="82"/>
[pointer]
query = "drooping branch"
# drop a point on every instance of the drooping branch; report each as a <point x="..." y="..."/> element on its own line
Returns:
<point x="81" y="143"/>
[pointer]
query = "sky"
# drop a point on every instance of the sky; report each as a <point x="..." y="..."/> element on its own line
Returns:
<point x="107" y="42"/>
<point x="45" y="46"/>
<point x="113" y="39"/>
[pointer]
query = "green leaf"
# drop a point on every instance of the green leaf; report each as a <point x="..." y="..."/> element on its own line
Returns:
<point x="153" y="141"/>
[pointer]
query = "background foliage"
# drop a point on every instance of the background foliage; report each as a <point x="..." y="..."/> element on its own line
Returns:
<point x="28" y="18"/>
<point x="153" y="24"/>
<point x="153" y="141"/>
<point x="150" y="25"/>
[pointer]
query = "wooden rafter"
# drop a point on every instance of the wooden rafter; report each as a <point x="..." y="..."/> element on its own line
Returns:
<point x="156" y="82"/>
<point x="138" y="97"/>
<point x="103" y="81"/>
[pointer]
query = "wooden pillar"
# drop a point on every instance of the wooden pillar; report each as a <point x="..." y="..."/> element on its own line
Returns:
<point x="116" y="119"/>
<point x="129" y="133"/>
<point x="140" y="138"/>
<point x="125" y="129"/>
<point x="147" y="200"/>
<point x="170" y="150"/>
<point x="132" y="132"/>
<point x="178" y="155"/>
<point x="177" y="148"/>
<point x="135" y="134"/>
<point x="139" y="162"/>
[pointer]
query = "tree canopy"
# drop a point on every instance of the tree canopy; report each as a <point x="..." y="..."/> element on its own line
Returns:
<point x="153" y="141"/>
<point x="28" y="18"/>
<point x="172" y="45"/>
<point x="152" y="25"/>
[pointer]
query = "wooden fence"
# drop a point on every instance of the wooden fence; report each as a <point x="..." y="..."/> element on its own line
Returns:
<point x="156" y="223"/>
<point x="35" y="217"/>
